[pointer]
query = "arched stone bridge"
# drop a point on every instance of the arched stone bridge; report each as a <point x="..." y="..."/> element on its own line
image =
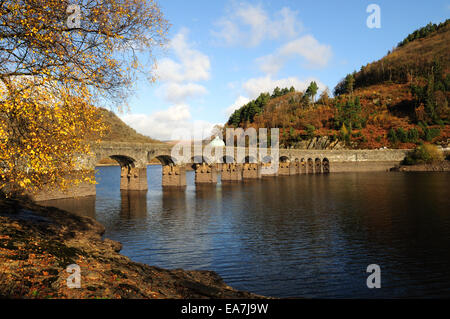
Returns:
<point x="133" y="159"/>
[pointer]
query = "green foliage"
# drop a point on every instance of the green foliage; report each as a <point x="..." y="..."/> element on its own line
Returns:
<point x="435" y="109"/>
<point x="431" y="133"/>
<point x="413" y="135"/>
<point x="312" y="89"/>
<point x="247" y="112"/>
<point x="346" y="85"/>
<point x="350" y="114"/>
<point x="403" y="136"/>
<point x="392" y="136"/>
<point x="423" y="32"/>
<point x="277" y="92"/>
<point x="424" y="154"/>
<point x="349" y="83"/>
<point x="344" y="134"/>
<point x="310" y="130"/>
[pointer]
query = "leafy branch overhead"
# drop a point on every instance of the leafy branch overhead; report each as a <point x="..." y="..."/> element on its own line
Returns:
<point x="52" y="75"/>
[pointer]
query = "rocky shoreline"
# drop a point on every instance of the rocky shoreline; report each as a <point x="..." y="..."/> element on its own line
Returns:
<point x="38" y="243"/>
<point x="443" y="166"/>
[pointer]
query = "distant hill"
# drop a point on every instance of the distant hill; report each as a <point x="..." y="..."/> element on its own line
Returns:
<point x="398" y="101"/>
<point x="412" y="60"/>
<point x="118" y="131"/>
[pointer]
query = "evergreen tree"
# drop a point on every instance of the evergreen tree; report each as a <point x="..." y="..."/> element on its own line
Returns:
<point x="312" y="90"/>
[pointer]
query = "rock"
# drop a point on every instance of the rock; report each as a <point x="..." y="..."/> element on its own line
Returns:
<point x="115" y="245"/>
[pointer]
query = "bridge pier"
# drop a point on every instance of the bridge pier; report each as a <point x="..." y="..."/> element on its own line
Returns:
<point x="231" y="172"/>
<point x="251" y="171"/>
<point x="269" y="171"/>
<point x="205" y="174"/>
<point x="173" y="175"/>
<point x="326" y="166"/>
<point x="287" y="168"/>
<point x="310" y="166"/>
<point x="133" y="178"/>
<point x="302" y="167"/>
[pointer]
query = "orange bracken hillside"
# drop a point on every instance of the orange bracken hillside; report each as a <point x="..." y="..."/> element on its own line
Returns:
<point x="118" y="131"/>
<point x="399" y="101"/>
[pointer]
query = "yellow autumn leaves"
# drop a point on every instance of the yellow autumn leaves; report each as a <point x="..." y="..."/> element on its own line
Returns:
<point x="51" y="79"/>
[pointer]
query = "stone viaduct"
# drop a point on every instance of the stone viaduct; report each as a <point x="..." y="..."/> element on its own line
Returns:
<point x="134" y="157"/>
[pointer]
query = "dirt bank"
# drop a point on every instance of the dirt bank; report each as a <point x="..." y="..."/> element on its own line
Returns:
<point x="38" y="243"/>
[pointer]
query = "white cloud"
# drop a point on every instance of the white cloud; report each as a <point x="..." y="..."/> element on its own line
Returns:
<point x="178" y="77"/>
<point x="315" y="54"/>
<point x="178" y="93"/>
<point x="255" y="86"/>
<point x="240" y="101"/>
<point x="192" y="64"/>
<point x="162" y="124"/>
<point x="250" y="25"/>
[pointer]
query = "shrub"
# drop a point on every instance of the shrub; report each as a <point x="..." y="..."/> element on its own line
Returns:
<point x="413" y="135"/>
<point x="402" y="135"/>
<point x="424" y="154"/>
<point x="392" y="136"/>
<point x="310" y="130"/>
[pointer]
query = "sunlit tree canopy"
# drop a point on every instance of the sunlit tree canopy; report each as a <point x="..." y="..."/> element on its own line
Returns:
<point x="57" y="62"/>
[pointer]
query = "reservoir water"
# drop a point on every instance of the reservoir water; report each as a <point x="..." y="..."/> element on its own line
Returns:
<point x="294" y="236"/>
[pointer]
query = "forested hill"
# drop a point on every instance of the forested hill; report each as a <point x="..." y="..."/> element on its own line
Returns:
<point x="118" y="131"/>
<point x="400" y="100"/>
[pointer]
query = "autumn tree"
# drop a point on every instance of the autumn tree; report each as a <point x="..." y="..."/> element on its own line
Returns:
<point x="349" y="83"/>
<point x="57" y="61"/>
<point x="324" y="97"/>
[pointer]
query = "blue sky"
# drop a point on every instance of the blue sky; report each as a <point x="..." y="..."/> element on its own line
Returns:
<point x="224" y="53"/>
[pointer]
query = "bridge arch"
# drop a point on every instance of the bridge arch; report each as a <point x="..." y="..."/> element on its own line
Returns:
<point x="267" y="159"/>
<point x="250" y="159"/>
<point x="123" y="160"/>
<point x="133" y="172"/>
<point x="318" y="166"/>
<point x="325" y="165"/>
<point x="200" y="159"/>
<point x="284" y="159"/>
<point x="164" y="160"/>
<point x="227" y="159"/>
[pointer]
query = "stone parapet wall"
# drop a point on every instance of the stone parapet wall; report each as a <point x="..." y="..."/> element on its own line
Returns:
<point x="378" y="166"/>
